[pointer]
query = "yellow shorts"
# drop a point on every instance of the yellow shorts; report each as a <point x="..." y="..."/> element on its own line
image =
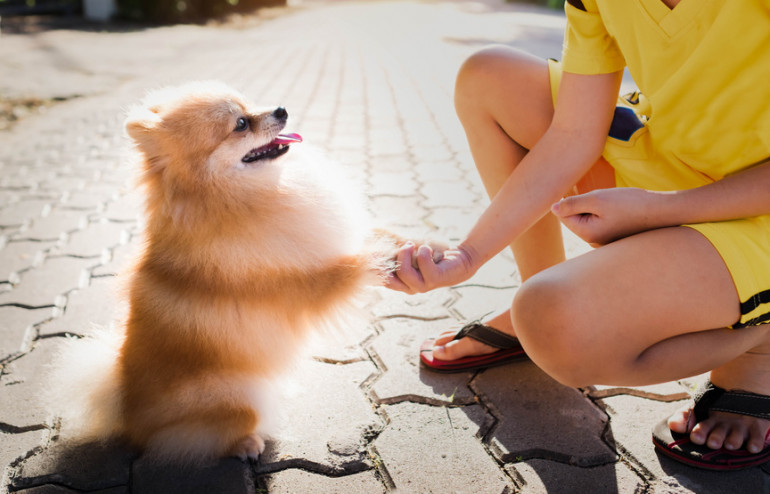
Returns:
<point x="744" y="244"/>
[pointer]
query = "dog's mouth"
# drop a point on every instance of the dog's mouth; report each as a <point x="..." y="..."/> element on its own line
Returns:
<point x="278" y="147"/>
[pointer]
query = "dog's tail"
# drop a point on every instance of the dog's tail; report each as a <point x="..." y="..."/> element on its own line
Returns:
<point x="84" y="386"/>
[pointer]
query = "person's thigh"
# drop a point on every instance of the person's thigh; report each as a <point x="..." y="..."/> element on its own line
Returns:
<point x="599" y="313"/>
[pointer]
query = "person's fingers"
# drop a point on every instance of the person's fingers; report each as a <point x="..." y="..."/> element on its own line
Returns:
<point x="394" y="283"/>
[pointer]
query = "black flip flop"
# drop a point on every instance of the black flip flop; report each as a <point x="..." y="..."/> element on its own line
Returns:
<point x="510" y="350"/>
<point x="680" y="448"/>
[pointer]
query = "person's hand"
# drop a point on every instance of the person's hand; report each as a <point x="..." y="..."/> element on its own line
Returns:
<point x="605" y="215"/>
<point x="418" y="273"/>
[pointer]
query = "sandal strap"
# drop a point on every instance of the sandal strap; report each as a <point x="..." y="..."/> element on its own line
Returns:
<point x="487" y="335"/>
<point x="714" y="398"/>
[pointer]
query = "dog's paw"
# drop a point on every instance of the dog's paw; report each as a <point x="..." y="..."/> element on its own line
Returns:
<point x="248" y="447"/>
<point x="389" y="244"/>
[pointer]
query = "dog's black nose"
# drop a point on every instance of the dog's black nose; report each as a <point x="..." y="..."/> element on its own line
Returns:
<point x="280" y="113"/>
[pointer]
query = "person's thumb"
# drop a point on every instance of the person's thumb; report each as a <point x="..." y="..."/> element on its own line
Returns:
<point x="570" y="206"/>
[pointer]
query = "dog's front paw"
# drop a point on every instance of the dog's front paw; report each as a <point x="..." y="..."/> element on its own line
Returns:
<point x="250" y="446"/>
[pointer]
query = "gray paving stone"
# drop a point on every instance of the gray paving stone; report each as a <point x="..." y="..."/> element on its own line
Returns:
<point x="341" y="345"/>
<point x="42" y="286"/>
<point x="439" y="171"/>
<point x="395" y="212"/>
<point x="294" y="481"/>
<point x="549" y="476"/>
<point x="631" y="423"/>
<point x="52" y="226"/>
<point x="394" y="163"/>
<point x="448" y="194"/>
<point x="16" y="328"/>
<point x="402" y="378"/>
<point x="540" y="418"/>
<point x="93" y="307"/>
<point x="93" y="240"/>
<point x="121" y="258"/>
<point x="25" y="210"/>
<point x="15" y="446"/>
<point x="423" y="306"/>
<point x="435" y="449"/>
<point x="481" y="302"/>
<point x="394" y="184"/>
<point x="324" y="420"/>
<point x="80" y="467"/>
<point x="125" y="208"/>
<point x="453" y="223"/>
<point x="23" y="381"/>
<point x="422" y="153"/>
<point x="228" y="476"/>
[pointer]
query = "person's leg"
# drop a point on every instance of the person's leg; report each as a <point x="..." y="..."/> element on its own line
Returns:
<point x="503" y="99"/>
<point x="647" y="309"/>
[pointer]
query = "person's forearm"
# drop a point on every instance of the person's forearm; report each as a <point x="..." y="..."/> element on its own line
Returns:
<point x="567" y="150"/>
<point x="543" y="177"/>
<point x="742" y="195"/>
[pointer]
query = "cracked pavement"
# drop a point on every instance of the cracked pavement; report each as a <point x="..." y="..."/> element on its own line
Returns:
<point x="370" y="84"/>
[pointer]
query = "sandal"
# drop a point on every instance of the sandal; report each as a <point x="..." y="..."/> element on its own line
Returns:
<point x="680" y="448"/>
<point x="510" y="350"/>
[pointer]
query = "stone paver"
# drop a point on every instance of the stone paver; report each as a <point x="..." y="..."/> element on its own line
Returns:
<point x="370" y="84"/>
<point x="449" y="436"/>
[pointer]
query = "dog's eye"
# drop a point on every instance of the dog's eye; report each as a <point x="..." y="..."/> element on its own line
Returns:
<point x="242" y="124"/>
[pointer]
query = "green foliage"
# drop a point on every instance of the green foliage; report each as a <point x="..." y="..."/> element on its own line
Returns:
<point x="554" y="4"/>
<point x="174" y="11"/>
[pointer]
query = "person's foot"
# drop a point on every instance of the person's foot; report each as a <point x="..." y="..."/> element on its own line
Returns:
<point x="722" y="429"/>
<point x="751" y="373"/>
<point x="448" y="349"/>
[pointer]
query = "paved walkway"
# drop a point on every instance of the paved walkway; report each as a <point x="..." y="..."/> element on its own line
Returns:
<point x="371" y="83"/>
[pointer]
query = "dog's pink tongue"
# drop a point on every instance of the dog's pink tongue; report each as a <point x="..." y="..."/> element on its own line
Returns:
<point x="288" y="139"/>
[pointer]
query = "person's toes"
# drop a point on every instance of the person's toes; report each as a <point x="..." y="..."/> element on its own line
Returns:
<point x="451" y="351"/>
<point x="757" y="441"/>
<point x="701" y="431"/>
<point x="680" y="421"/>
<point x="445" y="338"/>
<point x="735" y="438"/>
<point x="717" y="436"/>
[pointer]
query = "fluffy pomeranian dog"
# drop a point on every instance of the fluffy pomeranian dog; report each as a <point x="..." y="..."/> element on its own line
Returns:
<point x="249" y="245"/>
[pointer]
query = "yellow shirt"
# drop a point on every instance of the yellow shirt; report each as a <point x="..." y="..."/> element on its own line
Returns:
<point x="704" y="67"/>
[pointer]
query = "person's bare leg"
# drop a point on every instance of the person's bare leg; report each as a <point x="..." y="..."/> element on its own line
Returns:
<point x="641" y="311"/>
<point x="503" y="99"/>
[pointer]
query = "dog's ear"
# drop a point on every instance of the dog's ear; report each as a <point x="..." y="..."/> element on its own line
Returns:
<point x="140" y="123"/>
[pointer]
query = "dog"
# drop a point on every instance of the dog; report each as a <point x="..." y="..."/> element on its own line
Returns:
<point x="250" y="245"/>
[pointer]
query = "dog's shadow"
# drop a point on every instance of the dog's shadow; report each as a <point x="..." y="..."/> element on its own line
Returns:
<point x="113" y="466"/>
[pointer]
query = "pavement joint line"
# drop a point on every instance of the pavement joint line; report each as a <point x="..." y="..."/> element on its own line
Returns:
<point x="28" y="307"/>
<point x="490" y="410"/>
<point x="351" y="468"/>
<point x="638" y="393"/>
<point x="412" y="317"/>
<point x="332" y="361"/>
<point x="7" y="428"/>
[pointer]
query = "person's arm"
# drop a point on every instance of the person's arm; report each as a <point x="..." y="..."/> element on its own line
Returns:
<point x="602" y="216"/>
<point x="570" y="146"/>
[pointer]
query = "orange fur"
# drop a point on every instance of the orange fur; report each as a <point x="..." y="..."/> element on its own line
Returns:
<point x="240" y="262"/>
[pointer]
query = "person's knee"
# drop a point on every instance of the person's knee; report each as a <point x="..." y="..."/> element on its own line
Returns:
<point x="478" y="71"/>
<point x="549" y="327"/>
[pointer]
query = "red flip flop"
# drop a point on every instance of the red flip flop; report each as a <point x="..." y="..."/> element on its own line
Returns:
<point x="510" y="350"/>
<point x="680" y="448"/>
